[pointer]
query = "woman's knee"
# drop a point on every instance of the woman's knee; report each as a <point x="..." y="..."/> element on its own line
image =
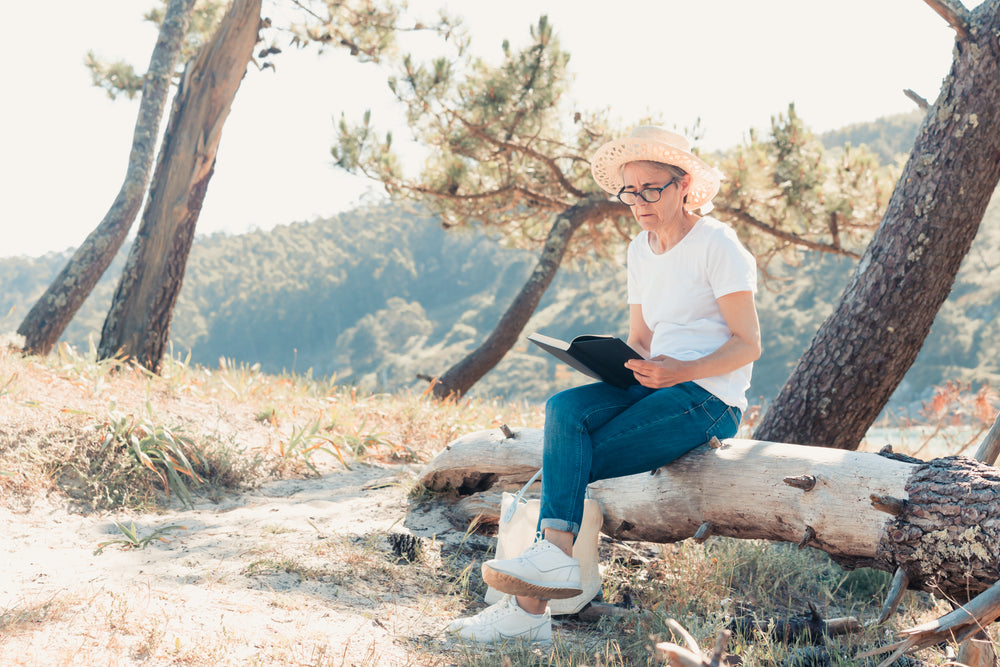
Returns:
<point x="563" y="405"/>
<point x="725" y="425"/>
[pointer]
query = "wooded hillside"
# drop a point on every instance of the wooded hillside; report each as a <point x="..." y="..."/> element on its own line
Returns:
<point x="375" y="296"/>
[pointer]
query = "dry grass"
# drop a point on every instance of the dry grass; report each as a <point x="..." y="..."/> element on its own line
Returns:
<point x="69" y="423"/>
<point x="69" y="429"/>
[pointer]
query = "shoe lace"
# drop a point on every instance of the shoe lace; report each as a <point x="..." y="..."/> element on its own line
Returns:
<point x="537" y="545"/>
<point x="497" y="609"/>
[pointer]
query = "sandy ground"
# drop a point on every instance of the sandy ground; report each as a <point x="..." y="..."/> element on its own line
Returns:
<point x="295" y="572"/>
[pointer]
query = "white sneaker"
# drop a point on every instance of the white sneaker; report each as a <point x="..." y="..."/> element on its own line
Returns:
<point x="504" y="621"/>
<point x="543" y="571"/>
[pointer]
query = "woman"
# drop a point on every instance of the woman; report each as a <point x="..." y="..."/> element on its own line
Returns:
<point x="692" y="317"/>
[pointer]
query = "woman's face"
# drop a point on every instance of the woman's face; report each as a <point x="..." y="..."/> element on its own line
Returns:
<point x="651" y="216"/>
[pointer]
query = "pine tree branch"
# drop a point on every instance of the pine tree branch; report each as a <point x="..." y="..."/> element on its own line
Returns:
<point x="794" y="239"/>
<point x="920" y="101"/>
<point x="516" y="193"/>
<point x="955" y="13"/>
<point x="480" y="132"/>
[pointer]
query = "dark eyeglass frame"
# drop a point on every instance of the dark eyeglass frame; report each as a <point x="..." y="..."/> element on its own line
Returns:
<point x="632" y="198"/>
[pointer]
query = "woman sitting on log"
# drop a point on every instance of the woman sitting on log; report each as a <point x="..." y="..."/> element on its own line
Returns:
<point x="692" y="317"/>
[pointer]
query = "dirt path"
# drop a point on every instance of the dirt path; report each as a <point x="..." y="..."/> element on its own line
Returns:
<point x="295" y="572"/>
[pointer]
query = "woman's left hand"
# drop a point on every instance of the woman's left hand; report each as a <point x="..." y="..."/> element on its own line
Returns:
<point x="658" y="372"/>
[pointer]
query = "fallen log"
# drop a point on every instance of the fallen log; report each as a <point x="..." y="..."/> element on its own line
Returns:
<point x="937" y="521"/>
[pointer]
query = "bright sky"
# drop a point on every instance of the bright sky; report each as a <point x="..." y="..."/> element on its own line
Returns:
<point x="732" y="63"/>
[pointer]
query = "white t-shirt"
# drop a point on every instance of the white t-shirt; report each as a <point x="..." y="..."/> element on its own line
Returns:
<point x="678" y="291"/>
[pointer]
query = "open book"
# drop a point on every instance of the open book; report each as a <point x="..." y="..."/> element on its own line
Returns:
<point x="600" y="357"/>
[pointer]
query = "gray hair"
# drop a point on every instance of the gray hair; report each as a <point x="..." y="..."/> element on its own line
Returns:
<point x="671" y="169"/>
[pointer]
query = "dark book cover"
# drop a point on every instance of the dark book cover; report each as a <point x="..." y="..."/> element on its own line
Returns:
<point x="600" y="357"/>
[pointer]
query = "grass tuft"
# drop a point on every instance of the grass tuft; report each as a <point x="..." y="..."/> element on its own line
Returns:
<point x="131" y="539"/>
<point x="171" y="455"/>
<point x="27" y="615"/>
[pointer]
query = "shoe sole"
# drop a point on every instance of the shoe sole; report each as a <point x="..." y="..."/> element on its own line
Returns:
<point x="503" y="640"/>
<point x="511" y="585"/>
<point x="517" y="639"/>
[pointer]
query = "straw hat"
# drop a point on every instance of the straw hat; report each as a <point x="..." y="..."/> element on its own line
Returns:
<point x="648" y="142"/>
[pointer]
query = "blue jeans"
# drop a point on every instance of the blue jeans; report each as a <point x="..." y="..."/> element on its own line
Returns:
<point x="598" y="431"/>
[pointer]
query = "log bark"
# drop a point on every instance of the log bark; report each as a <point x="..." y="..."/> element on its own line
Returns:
<point x="52" y="313"/>
<point x="938" y="521"/>
<point x="138" y="323"/>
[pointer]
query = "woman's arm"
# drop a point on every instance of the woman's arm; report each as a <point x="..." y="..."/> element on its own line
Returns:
<point x="640" y="337"/>
<point x="742" y="348"/>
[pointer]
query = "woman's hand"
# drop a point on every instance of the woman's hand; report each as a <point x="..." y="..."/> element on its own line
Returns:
<point x="658" y="372"/>
<point x="743" y="346"/>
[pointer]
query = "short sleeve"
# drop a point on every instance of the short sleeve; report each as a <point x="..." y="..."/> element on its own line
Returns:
<point x="731" y="267"/>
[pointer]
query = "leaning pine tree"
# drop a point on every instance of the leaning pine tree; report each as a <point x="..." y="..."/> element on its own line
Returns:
<point x="138" y="321"/>
<point x="861" y="353"/>
<point x="52" y="313"/>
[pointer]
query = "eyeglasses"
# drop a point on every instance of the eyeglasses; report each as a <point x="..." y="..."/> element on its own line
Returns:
<point x="650" y="195"/>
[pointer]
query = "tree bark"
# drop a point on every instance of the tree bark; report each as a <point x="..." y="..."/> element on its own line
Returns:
<point x="861" y="353"/>
<point x="52" y="313"/>
<point x="458" y="379"/>
<point x="938" y="521"/>
<point x="138" y="323"/>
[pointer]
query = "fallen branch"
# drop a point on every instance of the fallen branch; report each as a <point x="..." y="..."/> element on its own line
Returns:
<point x="690" y="655"/>
<point x="956" y="626"/>
<point x="811" y="627"/>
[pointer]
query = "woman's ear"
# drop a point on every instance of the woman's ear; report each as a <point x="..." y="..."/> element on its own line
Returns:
<point x="685" y="185"/>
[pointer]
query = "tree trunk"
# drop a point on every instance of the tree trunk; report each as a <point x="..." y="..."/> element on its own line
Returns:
<point x="138" y="323"/>
<point x="52" y="313"/>
<point x="939" y="521"/>
<point x="861" y="353"/>
<point x="458" y="379"/>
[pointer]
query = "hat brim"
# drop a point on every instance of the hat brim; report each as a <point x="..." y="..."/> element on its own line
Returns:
<point x="607" y="163"/>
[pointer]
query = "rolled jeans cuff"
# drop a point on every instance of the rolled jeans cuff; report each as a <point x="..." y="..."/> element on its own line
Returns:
<point x="559" y="524"/>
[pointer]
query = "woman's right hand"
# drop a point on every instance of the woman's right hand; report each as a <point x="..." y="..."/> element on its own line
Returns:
<point x="660" y="371"/>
